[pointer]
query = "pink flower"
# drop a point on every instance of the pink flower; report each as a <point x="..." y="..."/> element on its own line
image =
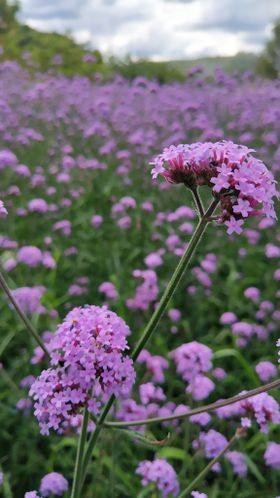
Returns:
<point x="234" y="226"/>
<point x="242" y="183"/>
<point x="88" y="364"/>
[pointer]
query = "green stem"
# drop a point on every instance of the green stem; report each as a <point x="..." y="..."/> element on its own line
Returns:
<point x="201" y="409"/>
<point x="174" y="281"/>
<point x="198" y="202"/>
<point x="79" y="456"/>
<point x="21" y="314"/>
<point x="208" y="467"/>
<point x="170" y="289"/>
<point x="94" y="437"/>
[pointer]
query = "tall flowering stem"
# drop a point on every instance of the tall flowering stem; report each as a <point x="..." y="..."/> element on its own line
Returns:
<point x="201" y="409"/>
<point x="208" y="467"/>
<point x="153" y="323"/>
<point x="174" y="281"/>
<point x="79" y="456"/>
<point x="21" y="314"/>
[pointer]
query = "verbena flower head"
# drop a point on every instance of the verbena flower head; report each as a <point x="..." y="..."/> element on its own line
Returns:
<point x="29" y="298"/>
<point x="191" y="359"/>
<point x="53" y="484"/>
<point x="272" y="455"/>
<point x="238" y="461"/>
<point x="242" y="183"/>
<point x="266" y="370"/>
<point x="197" y="494"/>
<point x="30" y="255"/>
<point x="264" y="408"/>
<point x="87" y="366"/>
<point x="162" y="474"/>
<point x="212" y="442"/>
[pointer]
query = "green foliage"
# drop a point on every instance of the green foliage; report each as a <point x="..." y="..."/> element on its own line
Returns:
<point x="269" y="62"/>
<point x="8" y="13"/>
<point x="163" y="72"/>
<point x="38" y="51"/>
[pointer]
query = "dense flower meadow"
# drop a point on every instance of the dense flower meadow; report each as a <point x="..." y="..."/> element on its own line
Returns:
<point x="95" y="215"/>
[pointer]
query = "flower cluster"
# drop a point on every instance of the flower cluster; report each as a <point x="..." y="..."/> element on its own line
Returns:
<point x="53" y="484"/>
<point x="242" y="183"/>
<point x="146" y="293"/>
<point x="161" y="473"/>
<point x="29" y="299"/>
<point x="272" y="455"/>
<point x="213" y="442"/>
<point x="238" y="461"/>
<point x="192" y="361"/>
<point x="87" y="366"/>
<point x="264" y="408"/>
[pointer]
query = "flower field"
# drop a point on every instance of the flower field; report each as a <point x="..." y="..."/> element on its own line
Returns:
<point x="84" y="222"/>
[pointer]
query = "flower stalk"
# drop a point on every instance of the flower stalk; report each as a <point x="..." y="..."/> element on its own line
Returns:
<point x="151" y="327"/>
<point x="80" y="454"/>
<point x="22" y="315"/>
<point x="201" y="409"/>
<point x="208" y="467"/>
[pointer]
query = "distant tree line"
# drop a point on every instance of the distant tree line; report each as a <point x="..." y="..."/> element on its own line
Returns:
<point x="60" y="53"/>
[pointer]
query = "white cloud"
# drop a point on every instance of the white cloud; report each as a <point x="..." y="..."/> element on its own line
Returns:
<point x="160" y="29"/>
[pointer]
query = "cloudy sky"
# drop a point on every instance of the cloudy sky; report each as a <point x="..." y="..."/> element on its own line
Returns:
<point x="158" y="29"/>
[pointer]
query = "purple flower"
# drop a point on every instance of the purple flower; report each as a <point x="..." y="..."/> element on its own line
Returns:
<point x="191" y="359"/>
<point x="38" y="206"/>
<point x="154" y="364"/>
<point x="266" y="370"/>
<point x="264" y="408"/>
<point x="219" y="373"/>
<point x="30" y="256"/>
<point x="238" y="461"/>
<point x="87" y="366"/>
<point x="234" y="226"/>
<point x="64" y="226"/>
<point x="252" y="293"/>
<point x="149" y="392"/>
<point x="227" y="318"/>
<point x="272" y="455"/>
<point x="146" y="293"/>
<point x="29" y="299"/>
<point x="31" y="494"/>
<point x="96" y="220"/>
<point x="200" y="387"/>
<point x="213" y="443"/>
<point x="109" y="290"/>
<point x="153" y="260"/>
<point x="53" y="484"/>
<point x="174" y="314"/>
<point x="242" y="183"/>
<point x="197" y="494"/>
<point x="161" y="473"/>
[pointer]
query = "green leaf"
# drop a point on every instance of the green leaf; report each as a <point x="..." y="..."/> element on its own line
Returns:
<point x="146" y="440"/>
<point x="225" y="353"/>
<point x="121" y="475"/>
<point x="171" y="452"/>
<point x="6" y="341"/>
<point x="255" y="471"/>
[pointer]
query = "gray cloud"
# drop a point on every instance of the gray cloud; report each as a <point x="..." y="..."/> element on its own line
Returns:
<point x="159" y="28"/>
<point x="238" y="15"/>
